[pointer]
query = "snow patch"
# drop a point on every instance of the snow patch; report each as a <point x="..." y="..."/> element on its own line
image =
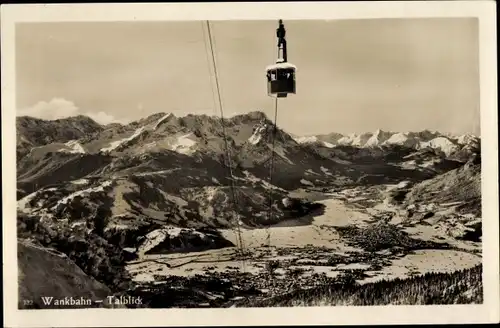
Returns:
<point x="312" y="172"/>
<point x="74" y="148"/>
<point x="254" y="179"/>
<point x="307" y="183"/>
<point x="306" y="139"/>
<point x="282" y="65"/>
<point x="150" y="144"/>
<point x="257" y="135"/>
<point x="161" y="120"/>
<point x="157" y="236"/>
<point x="430" y="163"/>
<point x="325" y="170"/>
<point x="184" y="145"/>
<point x="115" y="144"/>
<point x="451" y="204"/>
<point x="87" y="191"/>
<point x="211" y="191"/>
<point x="341" y="161"/>
<point x="23" y="203"/>
<point x="403" y="184"/>
<point x="116" y="226"/>
<point x="80" y="181"/>
<point x="77" y="224"/>
<point x="143" y="174"/>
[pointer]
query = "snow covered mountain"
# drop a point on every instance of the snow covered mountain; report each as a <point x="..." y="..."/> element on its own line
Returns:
<point x="401" y="139"/>
<point x="377" y="138"/>
<point x="356" y="140"/>
<point x="168" y="170"/>
<point x="327" y="140"/>
<point x="64" y="150"/>
<point x="445" y="143"/>
<point x="468" y="140"/>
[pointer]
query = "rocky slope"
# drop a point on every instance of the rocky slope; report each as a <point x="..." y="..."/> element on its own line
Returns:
<point x="461" y="186"/>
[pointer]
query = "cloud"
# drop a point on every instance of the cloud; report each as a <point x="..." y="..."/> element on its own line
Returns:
<point x="54" y="109"/>
<point x="103" y="118"/>
<point x="58" y="108"/>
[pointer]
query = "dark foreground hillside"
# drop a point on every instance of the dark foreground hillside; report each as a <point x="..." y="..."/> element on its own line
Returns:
<point x="91" y="254"/>
<point x="45" y="273"/>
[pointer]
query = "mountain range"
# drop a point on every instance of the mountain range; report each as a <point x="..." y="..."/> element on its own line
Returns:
<point x="446" y="143"/>
<point x="167" y="182"/>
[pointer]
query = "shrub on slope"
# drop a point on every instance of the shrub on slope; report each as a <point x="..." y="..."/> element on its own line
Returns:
<point x="92" y="253"/>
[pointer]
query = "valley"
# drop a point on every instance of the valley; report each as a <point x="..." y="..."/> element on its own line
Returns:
<point x="306" y="255"/>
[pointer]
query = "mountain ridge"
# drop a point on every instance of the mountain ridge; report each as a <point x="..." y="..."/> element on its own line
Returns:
<point x="418" y="140"/>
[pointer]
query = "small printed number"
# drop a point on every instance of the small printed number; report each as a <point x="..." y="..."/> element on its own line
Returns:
<point x="27" y="302"/>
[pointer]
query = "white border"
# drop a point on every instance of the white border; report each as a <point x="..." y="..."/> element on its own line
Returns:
<point x="484" y="10"/>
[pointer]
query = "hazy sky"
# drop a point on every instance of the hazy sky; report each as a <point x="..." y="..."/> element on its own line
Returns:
<point x="352" y="76"/>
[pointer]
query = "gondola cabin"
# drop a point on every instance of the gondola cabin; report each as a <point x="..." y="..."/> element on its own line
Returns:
<point x="280" y="79"/>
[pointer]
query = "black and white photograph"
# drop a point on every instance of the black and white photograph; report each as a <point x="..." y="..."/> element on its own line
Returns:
<point x="249" y="163"/>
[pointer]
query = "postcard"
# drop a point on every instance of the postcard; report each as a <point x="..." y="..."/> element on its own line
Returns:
<point x="250" y="163"/>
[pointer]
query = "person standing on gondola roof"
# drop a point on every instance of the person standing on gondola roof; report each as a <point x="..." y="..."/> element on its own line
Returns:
<point x="280" y="33"/>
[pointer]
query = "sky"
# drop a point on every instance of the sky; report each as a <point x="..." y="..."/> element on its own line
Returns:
<point x="353" y="76"/>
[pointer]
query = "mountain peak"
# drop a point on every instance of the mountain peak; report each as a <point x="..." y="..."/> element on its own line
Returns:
<point x="379" y="132"/>
<point x="158" y="115"/>
<point x="378" y="138"/>
<point x="77" y="118"/>
<point x="35" y="132"/>
<point x="257" y="114"/>
<point x="253" y="116"/>
<point x="150" y="119"/>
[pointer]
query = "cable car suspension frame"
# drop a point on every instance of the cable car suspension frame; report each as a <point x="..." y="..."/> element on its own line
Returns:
<point x="239" y="240"/>
<point x="281" y="82"/>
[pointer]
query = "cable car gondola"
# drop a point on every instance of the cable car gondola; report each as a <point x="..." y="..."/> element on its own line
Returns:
<point x="281" y="76"/>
